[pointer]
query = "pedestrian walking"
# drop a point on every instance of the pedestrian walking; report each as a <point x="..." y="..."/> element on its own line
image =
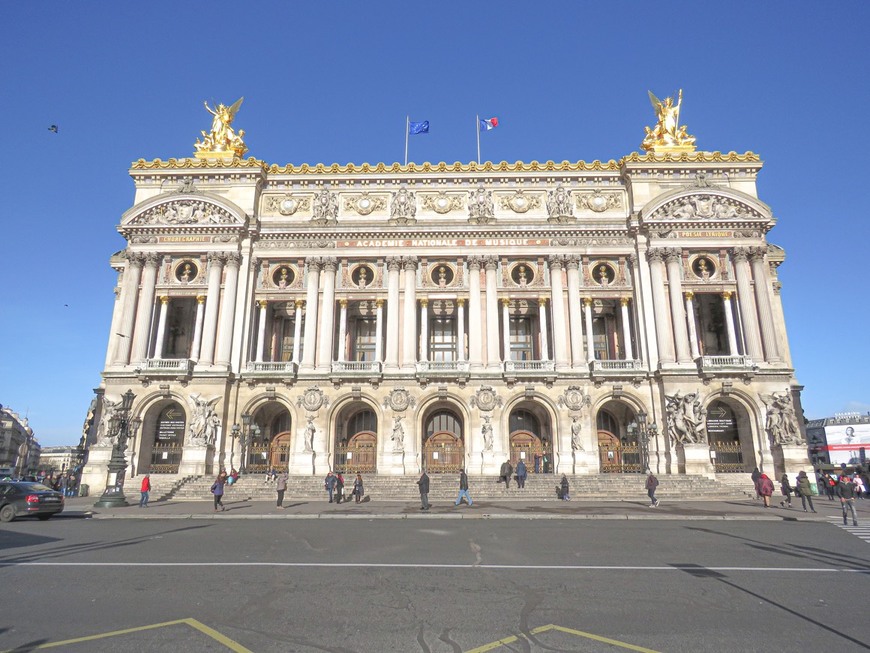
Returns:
<point x="564" y="489"/>
<point x="463" y="489"/>
<point x="358" y="490"/>
<point x="765" y="489"/>
<point x="756" y="476"/>
<point x="505" y="473"/>
<point x="145" y="490"/>
<point x="804" y="490"/>
<point x="785" y="487"/>
<point x="217" y="489"/>
<point x="830" y="486"/>
<point x="339" y="488"/>
<point x="651" y="484"/>
<point x="846" y="492"/>
<point x="522" y="474"/>
<point x="281" y="487"/>
<point x="860" y="487"/>
<point x="329" y="485"/>
<point x="424" y="490"/>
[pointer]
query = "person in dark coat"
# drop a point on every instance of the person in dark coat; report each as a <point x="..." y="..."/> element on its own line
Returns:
<point x="765" y="489"/>
<point x="329" y="485"/>
<point x="804" y="491"/>
<point x="339" y="488"/>
<point x="281" y="487"/>
<point x="522" y="473"/>
<point x="424" y="490"/>
<point x="463" y="489"/>
<point x="785" y="487"/>
<point x="846" y="492"/>
<point x="358" y="490"/>
<point x="505" y="473"/>
<point x="565" y="489"/>
<point x="217" y="489"/>
<point x="651" y="484"/>
<point x="756" y="476"/>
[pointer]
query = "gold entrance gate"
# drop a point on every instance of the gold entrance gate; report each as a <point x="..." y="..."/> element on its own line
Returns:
<point x="443" y="453"/>
<point x="165" y="458"/>
<point x="617" y="457"/>
<point x="530" y="449"/>
<point x="357" y="456"/>
<point x="727" y="456"/>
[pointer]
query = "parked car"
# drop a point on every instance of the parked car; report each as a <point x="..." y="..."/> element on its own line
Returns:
<point x="23" y="498"/>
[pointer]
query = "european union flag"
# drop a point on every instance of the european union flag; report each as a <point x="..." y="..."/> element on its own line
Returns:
<point x="418" y="127"/>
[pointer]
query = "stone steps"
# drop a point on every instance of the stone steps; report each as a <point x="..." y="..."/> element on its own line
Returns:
<point x="538" y="487"/>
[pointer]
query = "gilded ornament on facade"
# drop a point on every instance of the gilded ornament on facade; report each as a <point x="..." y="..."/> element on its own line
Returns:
<point x="520" y="202"/>
<point x="667" y="135"/>
<point x="364" y="204"/>
<point x="599" y="202"/>
<point x="442" y="203"/>
<point x="222" y="141"/>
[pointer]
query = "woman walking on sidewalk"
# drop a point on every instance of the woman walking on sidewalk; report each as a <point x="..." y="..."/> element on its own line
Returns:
<point x="651" y="484"/>
<point x="358" y="488"/>
<point x="785" y="487"/>
<point x="217" y="489"/>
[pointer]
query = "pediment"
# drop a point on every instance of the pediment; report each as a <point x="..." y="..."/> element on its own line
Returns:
<point x="184" y="210"/>
<point x="706" y="204"/>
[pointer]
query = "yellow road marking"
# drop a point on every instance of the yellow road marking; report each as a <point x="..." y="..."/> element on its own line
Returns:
<point x="193" y="623"/>
<point x="579" y="633"/>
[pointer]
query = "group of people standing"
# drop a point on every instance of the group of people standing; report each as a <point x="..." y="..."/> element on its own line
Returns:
<point x="334" y="486"/>
<point x="507" y="471"/>
<point x="846" y="487"/>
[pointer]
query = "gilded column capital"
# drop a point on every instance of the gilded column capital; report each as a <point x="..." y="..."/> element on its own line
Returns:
<point x="379" y="303"/>
<point x="342" y="303"/>
<point x="200" y="299"/>
<point x="299" y="303"/>
<point x="164" y="299"/>
<point x="689" y="295"/>
<point x="460" y="301"/>
<point x="727" y="295"/>
<point x="587" y="302"/>
<point x="424" y="302"/>
<point x="623" y="301"/>
<point x="505" y="302"/>
<point x="542" y="301"/>
<point x="262" y="303"/>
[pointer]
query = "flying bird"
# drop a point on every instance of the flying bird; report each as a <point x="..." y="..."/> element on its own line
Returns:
<point x="53" y="129"/>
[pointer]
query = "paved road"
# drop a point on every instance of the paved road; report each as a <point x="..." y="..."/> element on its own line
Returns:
<point x="433" y="585"/>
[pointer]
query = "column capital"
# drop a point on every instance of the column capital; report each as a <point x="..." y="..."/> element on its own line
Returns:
<point x="342" y="303"/>
<point x="460" y="301"/>
<point x="299" y="303"/>
<point x="572" y="261"/>
<point x="200" y="299"/>
<point x="164" y="299"/>
<point x="474" y="262"/>
<point x="379" y="303"/>
<point x="656" y="255"/>
<point x="491" y="262"/>
<point x="587" y="302"/>
<point x="689" y="295"/>
<point x="542" y="301"/>
<point x="153" y="259"/>
<point x="314" y="264"/>
<point x="727" y="295"/>
<point x="216" y="258"/>
<point x="134" y="258"/>
<point x="623" y="301"/>
<point x="505" y="302"/>
<point x="757" y="253"/>
<point x="394" y="263"/>
<point x="739" y="254"/>
<point x="262" y="303"/>
<point x="329" y="263"/>
<point x="409" y="263"/>
<point x="673" y="254"/>
<point x="424" y="302"/>
<point x="556" y="261"/>
<point x="234" y="259"/>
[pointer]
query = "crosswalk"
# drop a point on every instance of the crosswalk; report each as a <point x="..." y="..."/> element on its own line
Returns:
<point x="862" y="530"/>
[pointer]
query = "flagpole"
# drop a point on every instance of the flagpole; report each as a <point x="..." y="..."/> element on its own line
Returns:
<point x="407" y="127"/>
<point x="477" y="127"/>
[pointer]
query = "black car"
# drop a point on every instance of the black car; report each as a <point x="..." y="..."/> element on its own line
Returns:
<point x="22" y="498"/>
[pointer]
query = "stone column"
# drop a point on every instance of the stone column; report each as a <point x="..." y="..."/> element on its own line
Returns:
<point x="542" y="321"/>
<point x="129" y="295"/>
<point x="379" y="331"/>
<point x="394" y="265"/>
<point x="678" y="318"/>
<point x="762" y="300"/>
<point x="572" y="263"/>
<point x="664" y="339"/>
<point x="739" y="255"/>
<point x="261" y="329"/>
<point x="326" y="332"/>
<point x="693" y="328"/>
<point x="475" y="338"/>
<point x="587" y="313"/>
<point x="492" y="348"/>
<point x="460" y="329"/>
<point x="729" y="322"/>
<point x="409" y="328"/>
<point x="228" y="310"/>
<point x="626" y="328"/>
<point x="558" y="300"/>
<point x="145" y="310"/>
<point x="506" y="327"/>
<point x="424" y="329"/>
<point x="311" y="293"/>
<point x="297" y="329"/>
<point x="342" y="330"/>
<point x="209" y="329"/>
<point x="197" y="329"/>
<point x="161" y="327"/>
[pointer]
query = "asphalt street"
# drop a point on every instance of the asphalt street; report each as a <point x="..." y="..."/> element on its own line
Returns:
<point x="439" y="585"/>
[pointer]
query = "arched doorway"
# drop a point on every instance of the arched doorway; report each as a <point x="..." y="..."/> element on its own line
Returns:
<point x="730" y="436"/>
<point x="356" y="440"/>
<point x="259" y="446"/>
<point x="279" y="451"/>
<point x="162" y="442"/>
<point x="444" y="445"/>
<point x="530" y="439"/>
<point x="619" y="449"/>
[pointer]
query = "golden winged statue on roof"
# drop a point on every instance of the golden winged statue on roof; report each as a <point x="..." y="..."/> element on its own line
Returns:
<point x="222" y="140"/>
<point x="668" y="134"/>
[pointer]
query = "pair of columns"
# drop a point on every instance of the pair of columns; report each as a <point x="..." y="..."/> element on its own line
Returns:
<point x="681" y="330"/>
<point x="139" y="286"/>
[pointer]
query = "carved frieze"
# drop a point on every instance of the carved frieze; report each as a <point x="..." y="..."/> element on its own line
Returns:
<point x="520" y="202"/>
<point x="184" y="212"/>
<point x="325" y="208"/>
<point x="442" y="202"/>
<point x="403" y="207"/>
<point x="480" y="206"/>
<point x="599" y="202"/>
<point x="364" y="204"/>
<point x="559" y="205"/>
<point x="286" y="204"/>
<point x="704" y="207"/>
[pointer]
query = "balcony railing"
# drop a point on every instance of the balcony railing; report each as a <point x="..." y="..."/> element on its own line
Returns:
<point x="446" y="368"/>
<point x="271" y="368"/>
<point x="610" y="366"/>
<point x="529" y="366"/>
<point x="719" y="362"/>
<point x="165" y="366"/>
<point x="356" y="368"/>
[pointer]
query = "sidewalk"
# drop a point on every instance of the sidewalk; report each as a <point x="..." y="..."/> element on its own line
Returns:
<point x="374" y="508"/>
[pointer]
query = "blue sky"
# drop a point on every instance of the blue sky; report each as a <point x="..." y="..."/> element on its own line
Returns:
<point x="332" y="82"/>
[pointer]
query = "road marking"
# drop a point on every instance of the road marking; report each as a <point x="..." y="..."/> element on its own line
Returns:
<point x="392" y="565"/>
<point x="861" y="532"/>
<point x="193" y="623"/>
<point x="570" y="631"/>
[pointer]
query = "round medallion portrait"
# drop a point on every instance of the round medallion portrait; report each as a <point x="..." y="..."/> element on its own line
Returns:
<point x="283" y="276"/>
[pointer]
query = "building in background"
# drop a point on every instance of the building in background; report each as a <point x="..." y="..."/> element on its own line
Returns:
<point x="841" y="439"/>
<point x="57" y="460"/>
<point x="19" y="450"/>
<point x="600" y="317"/>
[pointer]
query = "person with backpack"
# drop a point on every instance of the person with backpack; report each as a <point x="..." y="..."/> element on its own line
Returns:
<point x="785" y="487"/>
<point x="765" y="489"/>
<point x="651" y="484"/>
<point x="804" y="490"/>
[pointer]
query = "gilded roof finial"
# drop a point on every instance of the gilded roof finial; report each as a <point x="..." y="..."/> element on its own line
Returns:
<point x="222" y="141"/>
<point x="668" y="135"/>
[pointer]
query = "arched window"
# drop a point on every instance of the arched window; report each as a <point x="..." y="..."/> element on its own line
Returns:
<point x="364" y="420"/>
<point x="523" y="420"/>
<point x="444" y="420"/>
<point x="606" y="422"/>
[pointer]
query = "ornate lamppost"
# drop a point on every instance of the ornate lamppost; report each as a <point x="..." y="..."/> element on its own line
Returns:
<point x="119" y="427"/>
<point x="644" y="432"/>
<point x="245" y="442"/>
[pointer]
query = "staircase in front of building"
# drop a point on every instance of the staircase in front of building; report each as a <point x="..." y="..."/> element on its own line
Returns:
<point x="539" y="487"/>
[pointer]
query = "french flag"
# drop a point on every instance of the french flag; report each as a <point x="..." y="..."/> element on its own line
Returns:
<point x="488" y="123"/>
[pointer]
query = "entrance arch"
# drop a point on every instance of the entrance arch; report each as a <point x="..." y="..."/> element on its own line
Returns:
<point x="356" y="443"/>
<point x="260" y="446"/>
<point x="619" y="449"/>
<point x="529" y="440"/>
<point x="162" y="440"/>
<point x="444" y="444"/>
<point x="729" y="431"/>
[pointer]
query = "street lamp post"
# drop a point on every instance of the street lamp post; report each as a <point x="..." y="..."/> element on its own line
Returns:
<point x="119" y="426"/>
<point x="644" y="432"/>
<point x="245" y="441"/>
